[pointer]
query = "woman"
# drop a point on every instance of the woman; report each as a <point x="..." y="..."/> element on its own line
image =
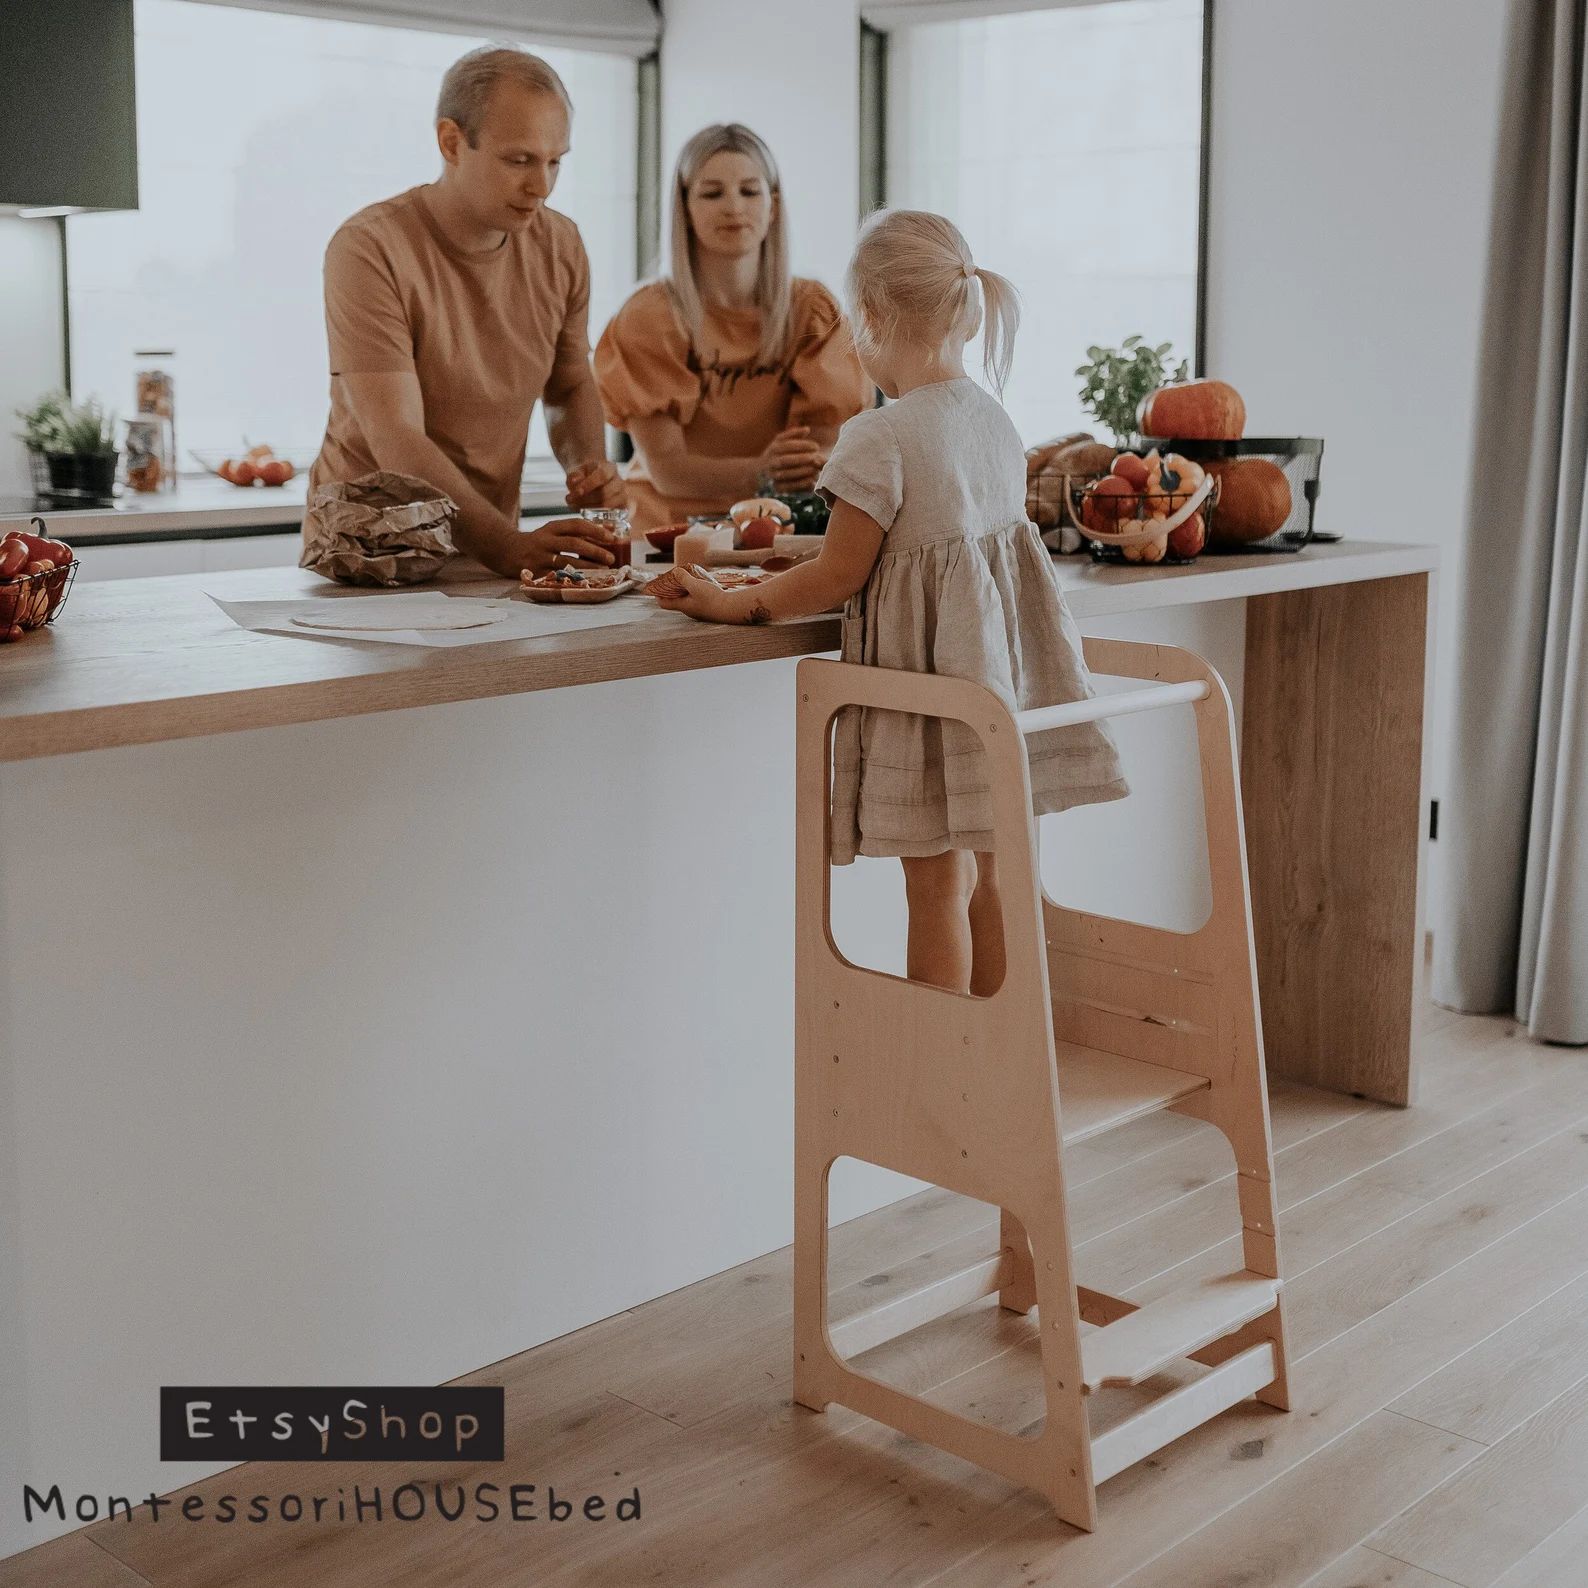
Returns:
<point x="727" y="371"/>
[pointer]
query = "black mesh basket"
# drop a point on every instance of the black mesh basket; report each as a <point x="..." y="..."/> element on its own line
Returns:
<point x="1301" y="458"/>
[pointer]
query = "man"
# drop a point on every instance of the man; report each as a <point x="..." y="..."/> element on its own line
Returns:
<point x="452" y="308"/>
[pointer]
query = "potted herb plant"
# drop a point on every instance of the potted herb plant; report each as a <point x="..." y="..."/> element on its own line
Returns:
<point x="1116" y="379"/>
<point x="77" y="442"/>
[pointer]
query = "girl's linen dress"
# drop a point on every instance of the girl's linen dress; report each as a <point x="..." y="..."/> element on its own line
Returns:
<point x="963" y="586"/>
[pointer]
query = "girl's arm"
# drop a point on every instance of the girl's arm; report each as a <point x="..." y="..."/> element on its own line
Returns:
<point x="849" y="553"/>
<point x="792" y="457"/>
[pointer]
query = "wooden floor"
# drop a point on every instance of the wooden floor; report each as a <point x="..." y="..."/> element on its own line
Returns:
<point x="1436" y="1261"/>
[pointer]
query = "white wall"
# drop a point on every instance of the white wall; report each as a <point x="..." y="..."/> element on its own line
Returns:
<point x="31" y="343"/>
<point x="1352" y="174"/>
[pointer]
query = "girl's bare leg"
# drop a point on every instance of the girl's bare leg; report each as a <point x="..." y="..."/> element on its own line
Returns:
<point x="986" y="929"/>
<point x="938" y="890"/>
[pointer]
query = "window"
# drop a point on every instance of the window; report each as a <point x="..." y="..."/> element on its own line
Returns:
<point x="258" y="134"/>
<point x="1066" y="144"/>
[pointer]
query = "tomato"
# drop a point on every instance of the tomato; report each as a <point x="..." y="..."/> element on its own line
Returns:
<point x="13" y="557"/>
<point x="10" y="632"/>
<point x="758" y="534"/>
<point x="1187" y="539"/>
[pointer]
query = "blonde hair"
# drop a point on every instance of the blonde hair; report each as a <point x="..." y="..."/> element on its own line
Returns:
<point x="912" y="279"/>
<point x="773" y="284"/>
<point x="466" y="88"/>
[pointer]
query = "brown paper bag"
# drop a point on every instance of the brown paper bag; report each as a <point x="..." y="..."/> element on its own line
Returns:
<point x="385" y="528"/>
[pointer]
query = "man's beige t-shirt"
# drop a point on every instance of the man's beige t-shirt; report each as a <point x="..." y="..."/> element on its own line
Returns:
<point x="487" y="334"/>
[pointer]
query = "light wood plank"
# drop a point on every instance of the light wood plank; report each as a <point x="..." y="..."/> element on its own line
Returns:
<point x="1366" y="1568"/>
<point x="1326" y="1193"/>
<point x="1374" y="1273"/>
<point x="1137" y="1346"/>
<point x="1332" y="764"/>
<point x="1485" y="1520"/>
<point x="1517" y="1371"/>
<point x="1296" y="1525"/>
<point x="1099" y="1092"/>
<point x="71" y="1562"/>
<point x="1165" y="1418"/>
<point x="1558" y="1560"/>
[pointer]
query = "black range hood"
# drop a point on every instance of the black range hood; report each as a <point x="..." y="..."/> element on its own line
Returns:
<point x="68" y="123"/>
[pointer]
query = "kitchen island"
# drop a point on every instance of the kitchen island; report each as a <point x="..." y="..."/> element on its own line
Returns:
<point x="369" y="1013"/>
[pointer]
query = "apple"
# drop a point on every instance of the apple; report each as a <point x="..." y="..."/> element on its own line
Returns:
<point x="1111" y="499"/>
<point x="757" y="534"/>
<point x="1131" y="469"/>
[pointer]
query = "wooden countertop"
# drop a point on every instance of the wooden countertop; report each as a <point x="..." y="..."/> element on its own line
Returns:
<point x="137" y="661"/>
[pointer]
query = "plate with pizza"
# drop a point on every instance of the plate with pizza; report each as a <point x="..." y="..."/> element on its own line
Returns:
<point x="585" y="586"/>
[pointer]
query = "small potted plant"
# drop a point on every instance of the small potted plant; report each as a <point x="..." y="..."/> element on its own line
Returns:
<point x="77" y="442"/>
<point x="1116" y="379"/>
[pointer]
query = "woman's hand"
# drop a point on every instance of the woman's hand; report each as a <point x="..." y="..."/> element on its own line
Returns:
<point x="793" y="459"/>
<point x="706" y="600"/>
<point x="596" y="484"/>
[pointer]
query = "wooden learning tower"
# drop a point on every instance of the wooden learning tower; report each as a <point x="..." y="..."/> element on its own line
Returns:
<point x="1098" y="1022"/>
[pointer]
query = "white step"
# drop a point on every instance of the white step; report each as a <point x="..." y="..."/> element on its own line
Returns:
<point x="1139" y="1345"/>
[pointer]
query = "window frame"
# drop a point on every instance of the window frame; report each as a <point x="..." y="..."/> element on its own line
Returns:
<point x="647" y="200"/>
<point x="874" y="145"/>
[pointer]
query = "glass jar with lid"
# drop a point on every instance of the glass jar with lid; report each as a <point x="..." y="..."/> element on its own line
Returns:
<point x="155" y="381"/>
<point x="610" y="525"/>
<point x="149" y="453"/>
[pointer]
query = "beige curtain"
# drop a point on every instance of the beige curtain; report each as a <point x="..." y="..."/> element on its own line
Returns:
<point x="1512" y="932"/>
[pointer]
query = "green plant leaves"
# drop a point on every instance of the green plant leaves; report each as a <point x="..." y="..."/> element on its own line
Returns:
<point x="1116" y="380"/>
<point x="55" y="424"/>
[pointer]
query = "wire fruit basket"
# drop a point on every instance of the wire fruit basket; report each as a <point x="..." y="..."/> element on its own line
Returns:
<point x="30" y="600"/>
<point x="1144" y="524"/>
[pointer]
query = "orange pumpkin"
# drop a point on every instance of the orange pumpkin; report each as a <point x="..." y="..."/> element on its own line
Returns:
<point x="1197" y="410"/>
<point x="1254" y="500"/>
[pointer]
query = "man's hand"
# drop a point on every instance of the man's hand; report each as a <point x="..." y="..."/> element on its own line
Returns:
<point x="564" y="542"/>
<point x="596" y="484"/>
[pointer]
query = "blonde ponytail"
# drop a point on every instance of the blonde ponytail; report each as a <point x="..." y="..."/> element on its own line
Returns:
<point x="912" y="278"/>
<point x="1000" y="321"/>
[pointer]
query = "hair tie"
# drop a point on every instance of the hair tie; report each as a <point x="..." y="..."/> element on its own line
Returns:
<point x="969" y="272"/>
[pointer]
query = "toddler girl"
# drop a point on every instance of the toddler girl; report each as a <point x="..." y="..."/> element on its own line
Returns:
<point x="942" y="572"/>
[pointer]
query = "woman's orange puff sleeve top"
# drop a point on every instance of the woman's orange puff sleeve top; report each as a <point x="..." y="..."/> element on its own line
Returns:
<point x="729" y="403"/>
